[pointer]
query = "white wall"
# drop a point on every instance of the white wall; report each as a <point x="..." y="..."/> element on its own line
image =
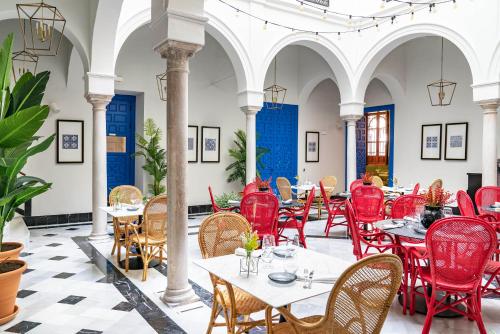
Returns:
<point x="377" y="94"/>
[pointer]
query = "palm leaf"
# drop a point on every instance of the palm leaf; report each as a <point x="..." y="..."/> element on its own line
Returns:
<point x="6" y="62"/>
<point x="28" y="91"/>
<point x="20" y="127"/>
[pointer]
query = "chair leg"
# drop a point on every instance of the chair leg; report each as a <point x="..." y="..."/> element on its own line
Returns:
<point x="127" y="256"/>
<point x="477" y="313"/>
<point x="302" y="237"/>
<point x="428" y="318"/>
<point x="113" y="249"/>
<point x="213" y="316"/>
<point x="329" y="223"/>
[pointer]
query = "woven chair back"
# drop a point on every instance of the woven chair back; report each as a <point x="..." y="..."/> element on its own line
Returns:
<point x="329" y="182"/>
<point x="284" y="188"/>
<point x="261" y="211"/>
<point x="368" y="202"/>
<point x="126" y="194"/>
<point x="406" y="205"/>
<point x="352" y="222"/>
<point x="485" y="197"/>
<point x="465" y="204"/>
<point x="377" y="181"/>
<point x="155" y="218"/>
<point x="416" y="189"/>
<point x="355" y="184"/>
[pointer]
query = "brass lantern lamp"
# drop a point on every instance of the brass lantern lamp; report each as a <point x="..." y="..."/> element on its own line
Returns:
<point x="274" y="94"/>
<point x="161" y="82"/>
<point x="23" y="62"/>
<point x="441" y="91"/>
<point x="38" y="22"/>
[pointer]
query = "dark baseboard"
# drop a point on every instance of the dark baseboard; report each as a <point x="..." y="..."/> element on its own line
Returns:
<point x="75" y="218"/>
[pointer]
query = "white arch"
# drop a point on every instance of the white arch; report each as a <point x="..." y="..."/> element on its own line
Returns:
<point x="68" y="33"/>
<point x="216" y="28"/>
<point x="392" y="84"/>
<point x="311" y="85"/>
<point x="393" y="39"/>
<point x="494" y="68"/>
<point x="330" y="52"/>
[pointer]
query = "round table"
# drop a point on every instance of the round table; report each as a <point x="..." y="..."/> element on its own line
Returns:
<point x="410" y="232"/>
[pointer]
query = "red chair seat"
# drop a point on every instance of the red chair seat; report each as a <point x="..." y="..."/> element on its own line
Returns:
<point x="491" y="267"/>
<point x="425" y="274"/>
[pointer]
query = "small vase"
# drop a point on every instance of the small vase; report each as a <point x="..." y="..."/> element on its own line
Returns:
<point x="430" y="215"/>
<point x="249" y="265"/>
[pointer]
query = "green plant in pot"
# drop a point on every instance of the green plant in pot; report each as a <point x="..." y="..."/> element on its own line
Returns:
<point x="21" y="116"/>
<point x="435" y="200"/>
<point x="155" y="158"/>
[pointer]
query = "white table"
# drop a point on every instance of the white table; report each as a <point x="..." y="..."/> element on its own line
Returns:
<point x="274" y="294"/>
<point x="403" y="190"/>
<point x="123" y="212"/>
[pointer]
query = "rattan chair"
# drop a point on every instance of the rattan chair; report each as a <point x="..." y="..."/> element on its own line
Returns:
<point x="219" y="235"/>
<point x="151" y="236"/>
<point x="329" y="183"/>
<point x="126" y="194"/>
<point x="358" y="303"/>
<point x="284" y="187"/>
<point x="377" y="181"/>
<point x="437" y="183"/>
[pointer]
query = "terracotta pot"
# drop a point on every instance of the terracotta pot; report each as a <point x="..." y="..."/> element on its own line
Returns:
<point x="9" y="284"/>
<point x="12" y="254"/>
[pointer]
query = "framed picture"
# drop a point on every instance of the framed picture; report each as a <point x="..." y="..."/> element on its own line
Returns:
<point x="210" y="144"/>
<point x="312" y="146"/>
<point x="192" y="143"/>
<point x="455" y="141"/>
<point x="431" y="142"/>
<point x="69" y="141"/>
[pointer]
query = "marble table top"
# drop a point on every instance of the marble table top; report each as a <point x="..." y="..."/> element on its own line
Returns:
<point x="491" y="209"/>
<point x="124" y="211"/>
<point x="273" y="294"/>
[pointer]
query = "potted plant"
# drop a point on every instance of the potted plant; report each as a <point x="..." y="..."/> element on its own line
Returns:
<point x="435" y="200"/>
<point x="263" y="185"/>
<point x="155" y="157"/>
<point x="223" y="201"/>
<point x="367" y="179"/>
<point x="21" y="116"/>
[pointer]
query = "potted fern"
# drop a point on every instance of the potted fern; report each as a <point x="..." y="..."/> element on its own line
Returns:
<point x="21" y="116"/>
<point x="155" y="162"/>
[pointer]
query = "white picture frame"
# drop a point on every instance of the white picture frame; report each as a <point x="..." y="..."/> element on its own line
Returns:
<point x="210" y="144"/>
<point x="455" y="147"/>
<point x="192" y="143"/>
<point x="70" y="141"/>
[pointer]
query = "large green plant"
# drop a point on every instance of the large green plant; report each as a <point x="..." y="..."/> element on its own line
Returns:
<point x="237" y="168"/>
<point x="155" y="160"/>
<point x="21" y="116"/>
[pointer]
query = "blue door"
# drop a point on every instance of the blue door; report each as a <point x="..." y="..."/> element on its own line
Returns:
<point x="277" y="130"/>
<point x="120" y="131"/>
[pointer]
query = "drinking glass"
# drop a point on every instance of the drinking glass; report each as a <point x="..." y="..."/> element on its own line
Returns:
<point x="134" y="202"/>
<point x="290" y="263"/>
<point x="447" y="211"/>
<point x="268" y="243"/>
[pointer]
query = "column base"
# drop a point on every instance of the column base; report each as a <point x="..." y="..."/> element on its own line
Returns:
<point x="173" y="298"/>
<point x="99" y="237"/>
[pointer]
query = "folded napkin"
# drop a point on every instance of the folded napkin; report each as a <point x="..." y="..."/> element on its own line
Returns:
<point x="288" y="201"/>
<point x="231" y="201"/>
<point x="319" y="279"/>
<point x="393" y="224"/>
<point x="242" y="252"/>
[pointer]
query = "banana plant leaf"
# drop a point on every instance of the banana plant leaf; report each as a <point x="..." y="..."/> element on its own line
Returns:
<point x="21" y="126"/>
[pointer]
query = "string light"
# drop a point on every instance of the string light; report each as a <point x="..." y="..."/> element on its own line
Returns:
<point x="455" y="4"/>
<point x="382" y="4"/>
<point x="338" y="34"/>
<point x="412" y="15"/>
<point x="350" y="20"/>
<point x="265" y="26"/>
<point x="301" y="6"/>
<point x="324" y="15"/>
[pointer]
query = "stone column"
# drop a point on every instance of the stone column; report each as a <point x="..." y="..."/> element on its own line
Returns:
<point x="99" y="166"/>
<point x="489" y="143"/>
<point x="177" y="54"/>
<point x="251" y="163"/>
<point x="351" y="149"/>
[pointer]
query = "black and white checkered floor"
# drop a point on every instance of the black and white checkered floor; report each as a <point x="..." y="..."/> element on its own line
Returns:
<point x="75" y="286"/>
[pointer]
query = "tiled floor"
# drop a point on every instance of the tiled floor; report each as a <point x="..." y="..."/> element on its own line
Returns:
<point x="74" y="286"/>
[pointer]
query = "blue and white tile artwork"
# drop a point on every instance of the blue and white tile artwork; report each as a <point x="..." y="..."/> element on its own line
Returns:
<point x="190" y="144"/>
<point x="431" y="142"/>
<point x="210" y="144"/>
<point x="456" y="141"/>
<point x="70" y="142"/>
<point x="311" y="146"/>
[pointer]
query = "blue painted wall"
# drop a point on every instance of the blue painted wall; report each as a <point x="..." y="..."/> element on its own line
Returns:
<point x="277" y="130"/>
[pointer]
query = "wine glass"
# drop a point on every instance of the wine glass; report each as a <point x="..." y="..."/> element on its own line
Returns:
<point x="134" y="202"/>
<point x="268" y="243"/>
<point x="447" y="211"/>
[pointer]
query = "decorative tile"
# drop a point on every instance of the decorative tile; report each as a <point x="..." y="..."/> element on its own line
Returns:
<point x="88" y="331"/>
<point x="58" y="258"/>
<point x="50" y="235"/>
<point x="25" y="254"/>
<point x="124" y="306"/>
<point x="72" y="229"/>
<point x="22" y="327"/>
<point x="25" y="293"/>
<point x="54" y="244"/>
<point x="72" y="300"/>
<point x="63" y="275"/>
<point x="28" y="270"/>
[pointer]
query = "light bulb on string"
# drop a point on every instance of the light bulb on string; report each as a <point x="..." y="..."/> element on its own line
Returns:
<point x="434" y="8"/>
<point x="378" y="28"/>
<point x="382" y="4"/>
<point x="324" y="15"/>
<point x="316" y="36"/>
<point x="338" y="36"/>
<point x="350" y="20"/>
<point x="237" y="14"/>
<point x="265" y="26"/>
<point x="301" y="6"/>
<point x="359" y="32"/>
<point x="455" y="4"/>
<point x="412" y="16"/>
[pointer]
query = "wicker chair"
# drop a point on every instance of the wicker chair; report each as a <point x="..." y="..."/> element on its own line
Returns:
<point x="358" y="303"/>
<point x="377" y="181"/>
<point x="127" y="195"/>
<point x="329" y="183"/>
<point x="151" y="235"/>
<point x="219" y="235"/>
<point x="437" y="183"/>
<point x="284" y="187"/>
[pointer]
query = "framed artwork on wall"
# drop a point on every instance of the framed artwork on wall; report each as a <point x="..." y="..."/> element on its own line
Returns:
<point x="312" y="146"/>
<point x="431" y="142"/>
<point x="455" y="141"/>
<point x="69" y="141"/>
<point x="210" y="144"/>
<point x="192" y="143"/>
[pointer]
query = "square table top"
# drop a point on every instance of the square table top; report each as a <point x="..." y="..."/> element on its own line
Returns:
<point x="123" y="212"/>
<point x="274" y="294"/>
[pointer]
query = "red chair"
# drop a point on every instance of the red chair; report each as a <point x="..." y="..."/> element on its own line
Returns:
<point x="377" y="241"/>
<point x="416" y="189"/>
<point x="458" y="249"/>
<point x="334" y="207"/>
<point x="406" y="205"/>
<point x="261" y="211"/>
<point x="215" y="207"/>
<point x="355" y="184"/>
<point x="252" y="187"/>
<point x="368" y="203"/>
<point x="296" y="218"/>
<point x="466" y="207"/>
<point x="486" y="196"/>
<point x="493" y="270"/>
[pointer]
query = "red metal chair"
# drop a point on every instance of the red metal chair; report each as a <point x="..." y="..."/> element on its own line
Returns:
<point x="215" y="207"/>
<point x="355" y="184"/>
<point x="493" y="270"/>
<point x="377" y="241"/>
<point x="406" y="205"/>
<point x="296" y="218"/>
<point x="416" y="189"/>
<point x="458" y="249"/>
<point x="466" y="207"/>
<point x="261" y="211"/>
<point x="334" y="207"/>
<point x="486" y="196"/>
<point x="252" y="187"/>
<point x="368" y="203"/>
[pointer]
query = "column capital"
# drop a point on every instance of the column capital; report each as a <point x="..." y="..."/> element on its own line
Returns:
<point x="251" y="97"/>
<point x="351" y="118"/>
<point x="99" y="101"/>
<point x="352" y="110"/>
<point x="489" y="106"/>
<point x="250" y="110"/>
<point x="177" y="54"/>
